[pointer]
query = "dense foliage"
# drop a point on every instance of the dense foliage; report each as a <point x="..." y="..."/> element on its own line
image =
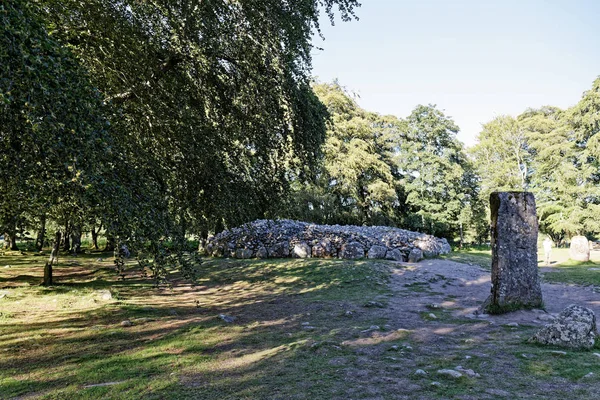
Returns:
<point x="553" y="153"/>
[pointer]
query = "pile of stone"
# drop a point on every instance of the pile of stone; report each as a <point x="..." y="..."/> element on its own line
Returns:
<point x="288" y="238"/>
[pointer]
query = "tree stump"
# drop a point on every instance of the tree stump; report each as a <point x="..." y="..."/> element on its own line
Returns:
<point x="579" y="249"/>
<point x="514" y="231"/>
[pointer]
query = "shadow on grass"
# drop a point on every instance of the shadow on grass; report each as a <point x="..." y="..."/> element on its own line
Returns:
<point x="178" y="331"/>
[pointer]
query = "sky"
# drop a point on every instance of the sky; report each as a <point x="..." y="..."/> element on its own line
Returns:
<point x="473" y="59"/>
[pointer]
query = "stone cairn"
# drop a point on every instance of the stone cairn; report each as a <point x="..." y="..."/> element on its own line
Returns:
<point x="515" y="280"/>
<point x="288" y="238"/>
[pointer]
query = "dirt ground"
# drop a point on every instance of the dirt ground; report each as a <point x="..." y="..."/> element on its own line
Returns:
<point x="463" y="288"/>
<point x="436" y="300"/>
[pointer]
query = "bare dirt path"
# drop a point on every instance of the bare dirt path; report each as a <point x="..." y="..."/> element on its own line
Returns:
<point x="463" y="288"/>
<point x="435" y="301"/>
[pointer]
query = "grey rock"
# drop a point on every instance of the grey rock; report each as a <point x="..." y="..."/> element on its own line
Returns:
<point x="127" y="323"/>
<point x="324" y="248"/>
<point x="227" y="318"/>
<point x="435" y="383"/>
<point x="352" y="250"/>
<point x="575" y="327"/>
<point x="415" y="255"/>
<point x="450" y="373"/>
<point x="420" y="372"/>
<point x="279" y="250"/>
<point x="301" y="250"/>
<point x="432" y="316"/>
<point x="394" y="255"/>
<point x="377" y="251"/>
<point x="515" y="280"/>
<point x="262" y="252"/>
<point x="579" y="249"/>
<point x="468" y="372"/>
<point x="243" y="253"/>
<point x="512" y="325"/>
<point x="105" y="294"/>
<point x="323" y="240"/>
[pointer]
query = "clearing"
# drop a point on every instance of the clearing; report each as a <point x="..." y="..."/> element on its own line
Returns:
<point x="302" y="329"/>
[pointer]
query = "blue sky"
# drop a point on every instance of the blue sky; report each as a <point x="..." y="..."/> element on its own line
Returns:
<point x="474" y="59"/>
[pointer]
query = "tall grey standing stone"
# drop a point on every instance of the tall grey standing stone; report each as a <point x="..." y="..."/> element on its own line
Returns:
<point x="579" y="249"/>
<point x="514" y="231"/>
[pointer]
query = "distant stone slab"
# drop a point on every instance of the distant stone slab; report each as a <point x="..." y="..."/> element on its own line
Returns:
<point x="579" y="249"/>
<point x="515" y="279"/>
<point x="575" y="327"/>
<point x="287" y="238"/>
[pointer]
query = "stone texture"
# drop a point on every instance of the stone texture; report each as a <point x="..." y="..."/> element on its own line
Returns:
<point x="450" y="373"/>
<point x="415" y="255"/>
<point x="575" y="327"/>
<point x="352" y="250"/>
<point x="377" y="251"/>
<point x="323" y="248"/>
<point x="514" y="230"/>
<point x="579" y="249"/>
<point x="243" y="253"/>
<point x="279" y="250"/>
<point x="281" y="238"/>
<point x="394" y="255"/>
<point x="262" y="252"/>
<point x="301" y="250"/>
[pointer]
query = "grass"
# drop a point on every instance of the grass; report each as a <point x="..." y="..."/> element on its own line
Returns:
<point x="301" y="331"/>
<point x="290" y="319"/>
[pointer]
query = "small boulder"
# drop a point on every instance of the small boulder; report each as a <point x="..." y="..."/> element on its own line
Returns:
<point x="279" y="250"/>
<point x="227" y="318"/>
<point x="377" y="252"/>
<point x="127" y="323"/>
<point x="352" y="250"/>
<point x="415" y="255"/>
<point x="574" y="327"/>
<point x="243" y="253"/>
<point x="394" y="255"/>
<point x="450" y="373"/>
<point x="262" y="252"/>
<point x="301" y="250"/>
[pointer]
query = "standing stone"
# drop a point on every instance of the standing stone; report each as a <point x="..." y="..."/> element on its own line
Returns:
<point x="514" y="230"/>
<point x="580" y="249"/>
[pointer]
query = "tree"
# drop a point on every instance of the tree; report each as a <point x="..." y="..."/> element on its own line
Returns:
<point x="354" y="183"/>
<point x="434" y="170"/>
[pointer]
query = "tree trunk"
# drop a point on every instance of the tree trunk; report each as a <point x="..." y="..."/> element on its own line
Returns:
<point x="10" y="239"/>
<point x="110" y="243"/>
<point x="460" y="244"/>
<point x="39" y="242"/>
<point x="76" y="239"/>
<point x="66" y="242"/>
<point x="51" y="260"/>
<point x="95" y="233"/>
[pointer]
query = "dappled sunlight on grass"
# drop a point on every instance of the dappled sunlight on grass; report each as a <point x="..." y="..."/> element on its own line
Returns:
<point x="57" y="340"/>
<point x="378" y="337"/>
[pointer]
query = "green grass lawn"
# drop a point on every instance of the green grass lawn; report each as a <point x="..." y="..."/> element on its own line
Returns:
<point x="290" y="315"/>
<point x="301" y="331"/>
